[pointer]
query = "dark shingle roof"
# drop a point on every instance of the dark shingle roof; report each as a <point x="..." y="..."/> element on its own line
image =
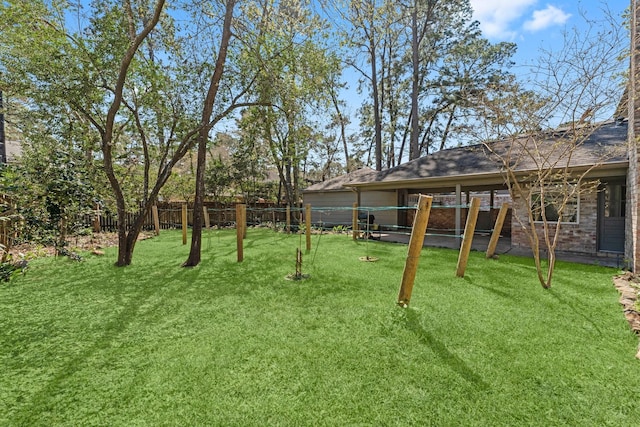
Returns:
<point x="338" y="183"/>
<point x="605" y="145"/>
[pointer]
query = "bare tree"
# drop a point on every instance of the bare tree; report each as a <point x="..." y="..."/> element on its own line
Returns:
<point x="550" y="148"/>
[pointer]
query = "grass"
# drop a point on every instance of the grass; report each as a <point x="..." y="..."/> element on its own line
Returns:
<point x="230" y="343"/>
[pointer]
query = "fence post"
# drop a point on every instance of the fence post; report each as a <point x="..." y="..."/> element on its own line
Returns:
<point x="184" y="223"/>
<point x="416" y="241"/>
<point x="288" y="219"/>
<point x="4" y="239"/>
<point x="467" y="239"/>
<point x="96" y="219"/>
<point x="239" y="233"/>
<point x="307" y="220"/>
<point x="354" y="221"/>
<point x="156" y="219"/>
<point x="207" y="222"/>
<point x="244" y="221"/>
<point x="497" y="229"/>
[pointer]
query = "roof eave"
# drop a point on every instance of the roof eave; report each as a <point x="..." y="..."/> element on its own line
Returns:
<point x="485" y="179"/>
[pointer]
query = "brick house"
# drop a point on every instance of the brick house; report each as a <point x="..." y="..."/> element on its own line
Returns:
<point x="602" y="221"/>
<point x="593" y="224"/>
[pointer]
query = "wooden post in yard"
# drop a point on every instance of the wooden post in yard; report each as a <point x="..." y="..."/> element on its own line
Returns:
<point x="96" y="219"/>
<point x="467" y="239"/>
<point x="156" y="219"/>
<point x="307" y="223"/>
<point x="239" y="233"/>
<point x="184" y="224"/>
<point x="354" y="221"/>
<point x="415" y="247"/>
<point x="288" y="219"/>
<point x="207" y="221"/>
<point x="244" y="221"/>
<point x="497" y="229"/>
<point x="4" y="240"/>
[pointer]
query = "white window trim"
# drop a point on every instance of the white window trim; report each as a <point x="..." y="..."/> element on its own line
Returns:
<point x="576" y="222"/>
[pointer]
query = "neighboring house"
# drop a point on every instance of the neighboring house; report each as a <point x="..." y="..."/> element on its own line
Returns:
<point x="595" y="225"/>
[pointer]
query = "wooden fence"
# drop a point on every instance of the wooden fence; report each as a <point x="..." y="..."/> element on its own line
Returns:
<point x="170" y="216"/>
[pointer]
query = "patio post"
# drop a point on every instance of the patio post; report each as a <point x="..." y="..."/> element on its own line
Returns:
<point x="239" y="232"/>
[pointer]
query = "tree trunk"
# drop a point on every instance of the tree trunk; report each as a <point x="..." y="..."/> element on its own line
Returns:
<point x="376" y="102"/>
<point x="550" y="268"/>
<point x="343" y="133"/>
<point x="415" y="124"/>
<point x="207" y="111"/>
<point x="196" y="231"/>
<point x="124" y="252"/>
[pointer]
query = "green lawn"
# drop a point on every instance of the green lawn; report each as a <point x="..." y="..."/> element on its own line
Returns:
<point x="235" y="344"/>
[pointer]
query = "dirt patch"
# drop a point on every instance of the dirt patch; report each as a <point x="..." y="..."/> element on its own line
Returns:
<point x="629" y="287"/>
<point x="89" y="243"/>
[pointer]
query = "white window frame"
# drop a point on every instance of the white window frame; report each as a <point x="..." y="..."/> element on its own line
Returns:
<point x="569" y="203"/>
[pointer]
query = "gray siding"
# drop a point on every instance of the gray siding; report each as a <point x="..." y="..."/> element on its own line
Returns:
<point x="335" y="207"/>
<point x="381" y="199"/>
<point x="330" y="207"/>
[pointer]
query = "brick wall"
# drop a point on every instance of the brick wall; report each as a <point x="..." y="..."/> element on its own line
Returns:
<point x="580" y="238"/>
<point x="444" y="218"/>
<point x="632" y="243"/>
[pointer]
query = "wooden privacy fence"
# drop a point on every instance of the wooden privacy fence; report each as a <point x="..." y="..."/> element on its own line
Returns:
<point x="170" y="216"/>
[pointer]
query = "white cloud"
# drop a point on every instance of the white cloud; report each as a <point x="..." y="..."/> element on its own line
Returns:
<point x="546" y="18"/>
<point x="497" y="17"/>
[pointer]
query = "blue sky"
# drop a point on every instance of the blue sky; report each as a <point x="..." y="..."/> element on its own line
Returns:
<point x="534" y="24"/>
<point x="531" y="24"/>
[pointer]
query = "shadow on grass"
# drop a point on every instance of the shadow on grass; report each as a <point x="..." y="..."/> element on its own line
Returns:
<point x="566" y="302"/>
<point x="131" y="310"/>
<point x="412" y="323"/>
<point x="489" y="289"/>
<point x="255" y="240"/>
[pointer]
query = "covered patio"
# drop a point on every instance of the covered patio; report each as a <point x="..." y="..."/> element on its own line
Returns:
<point x="454" y="176"/>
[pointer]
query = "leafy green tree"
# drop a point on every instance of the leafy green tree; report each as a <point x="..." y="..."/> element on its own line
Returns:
<point x="292" y="86"/>
<point x="203" y="135"/>
<point x="51" y="189"/>
<point x="249" y="166"/>
<point x="471" y="72"/>
<point x="134" y="75"/>
<point x="218" y="178"/>
<point x="82" y="70"/>
<point x="420" y="62"/>
<point x="370" y="20"/>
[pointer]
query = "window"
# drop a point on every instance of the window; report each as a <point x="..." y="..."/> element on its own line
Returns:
<point x="614" y="200"/>
<point x="554" y="198"/>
